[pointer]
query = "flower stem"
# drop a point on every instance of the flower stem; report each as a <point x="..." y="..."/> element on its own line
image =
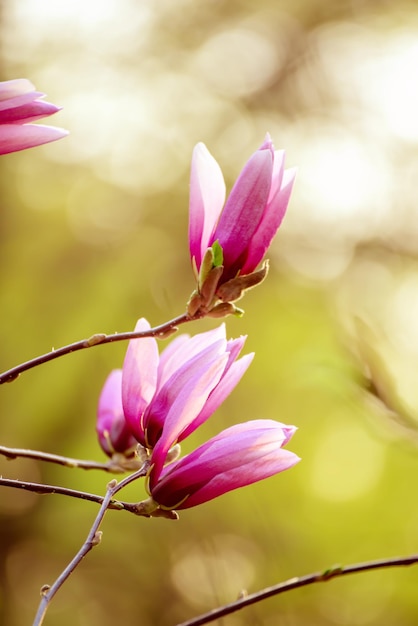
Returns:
<point x="296" y="583"/>
<point x="92" y="540"/>
<point x="95" y="340"/>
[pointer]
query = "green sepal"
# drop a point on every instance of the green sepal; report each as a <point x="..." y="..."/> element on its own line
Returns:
<point x="218" y="254"/>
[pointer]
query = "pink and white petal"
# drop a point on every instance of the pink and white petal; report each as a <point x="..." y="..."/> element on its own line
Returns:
<point x="244" y="207"/>
<point x="179" y="352"/>
<point x="251" y="472"/>
<point x="269" y="225"/>
<point x="267" y="143"/>
<point x="110" y="400"/>
<point x="229" y="445"/>
<point x="167" y="363"/>
<point x="234" y="347"/>
<point x="28" y="112"/>
<point x="139" y="379"/>
<point x="112" y="430"/>
<point x="207" y="197"/>
<point x="10" y="89"/>
<point x="231" y="377"/>
<point x="15" y="137"/>
<point x="186" y="406"/>
<point x="236" y="457"/>
<point x="277" y="175"/>
<point x="156" y="416"/>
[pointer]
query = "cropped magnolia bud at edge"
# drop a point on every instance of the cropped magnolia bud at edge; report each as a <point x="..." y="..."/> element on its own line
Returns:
<point x="21" y="104"/>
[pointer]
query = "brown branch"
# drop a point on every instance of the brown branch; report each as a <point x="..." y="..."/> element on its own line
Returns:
<point x="98" y="339"/>
<point x="64" y="491"/>
<point x="93" y="539"/>
<point x="297" y="582"/>
<point x="14" y="453"/>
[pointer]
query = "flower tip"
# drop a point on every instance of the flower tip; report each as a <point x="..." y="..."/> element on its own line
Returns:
<point x="142" y="325"/>
<point x="290" y="175"/>
<point x="294" y="460"/>
<point x="200" y="149"/>
<point x="288" y="432"/>
<point x="267" y="143"/>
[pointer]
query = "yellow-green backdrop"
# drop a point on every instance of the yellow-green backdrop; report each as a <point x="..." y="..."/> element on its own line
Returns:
<point x="94" y="235"/>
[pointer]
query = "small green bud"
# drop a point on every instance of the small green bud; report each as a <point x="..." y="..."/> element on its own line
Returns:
<point x="218" y="254"/>
<point x="97" y="538"/>
<point x="94" y="340"/>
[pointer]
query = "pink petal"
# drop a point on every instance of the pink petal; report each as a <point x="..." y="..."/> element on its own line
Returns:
<point x="27" y="112"/>
<point x="244" y="209"/>
<point x="207" y="197"/>
<point x="231" y="377"/>
<point x="112" y="430"/>
<point x="181" y="350"/>
<point x="14" y="137"/>
<point x="139" y="378"/>
<point x="156" y="414"/>
<point x="186" y="405"/>
<point x="110" y="401"/>
<point x="238" y="456"/>
<point x="15" y="88"/>
<point x="265" y="466"/>
<point x="277" y="176"/>
<point x="270" y="222"/>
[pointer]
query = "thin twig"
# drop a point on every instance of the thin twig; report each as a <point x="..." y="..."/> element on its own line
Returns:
<point x="96" y="340"/>
<point x="64" y="491"/>
<point x="297" y="582"/>
<point x="14" y="453"/>
<point x="92" y="540"/>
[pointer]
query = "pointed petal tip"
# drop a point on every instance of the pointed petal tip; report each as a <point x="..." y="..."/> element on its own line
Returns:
<point x="142" y="324"/>
<point x="16" y="137"/>
<point x="267" y="143"/>
<point x="289" y="175"/>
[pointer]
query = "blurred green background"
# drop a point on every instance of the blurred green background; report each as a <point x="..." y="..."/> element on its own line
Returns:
<point x="94" y="235"/>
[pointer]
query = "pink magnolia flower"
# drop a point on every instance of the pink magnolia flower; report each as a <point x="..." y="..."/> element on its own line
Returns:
<point x="238" y="456"/>
<point x="112" y="430"/>
<point x="166" y="397"/>
<point x="19" y="105"/>
<point x="253" y="212"/>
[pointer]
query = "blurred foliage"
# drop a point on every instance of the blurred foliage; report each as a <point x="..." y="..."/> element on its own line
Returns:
<point x="94" y="235"/>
